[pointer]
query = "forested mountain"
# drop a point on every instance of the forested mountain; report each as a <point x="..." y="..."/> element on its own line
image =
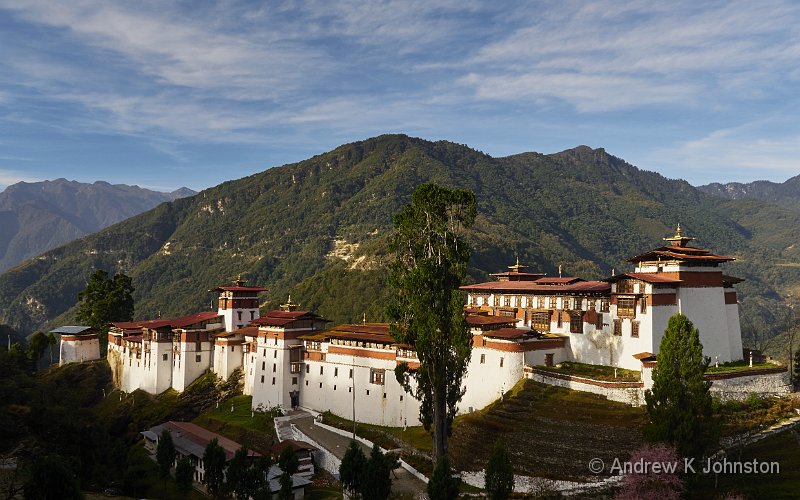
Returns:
<point x="318" y="230"/>
<point x="785" y="194"/>
<point x="36" y="217"/>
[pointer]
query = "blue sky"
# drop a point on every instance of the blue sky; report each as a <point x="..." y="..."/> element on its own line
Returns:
<point x="167" y="94"/>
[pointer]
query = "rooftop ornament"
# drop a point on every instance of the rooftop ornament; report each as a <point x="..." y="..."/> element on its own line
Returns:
<point x="679" y="240"/>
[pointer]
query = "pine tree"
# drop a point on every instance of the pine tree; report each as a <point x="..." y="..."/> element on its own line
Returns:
<point x="427" y="308"/>
<point x="499" y="474"/>
<point x="214" y="461"/>
<point x="377" y="482"/>
<point x="797" y="369"/>
<point x="165" y="455"/>
<point x="184" y="476"/>
<point x="443" y="486"/>
<point x="680" y="405"/>
<point x="352" y="468"/>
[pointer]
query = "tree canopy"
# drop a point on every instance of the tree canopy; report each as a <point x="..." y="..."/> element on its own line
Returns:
<point x="499" y="473"/>
<point x="214" y="461"/>
<point x="105" y="300"/>
<point x="427" y="308"/>
<point x="680" y="405"/>
<point x="165" y="454"/>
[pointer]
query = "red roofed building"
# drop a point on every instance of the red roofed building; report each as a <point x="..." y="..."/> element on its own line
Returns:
<point x="608" y="321"/>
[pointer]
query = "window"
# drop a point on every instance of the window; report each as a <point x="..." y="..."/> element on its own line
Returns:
<point x="198" y="358"/>
<point x="252" y="315"/>
<point x="643" y="304"/>
<point x="349" y="389"/>
<point x="618" y="327"/>
<point x="501" y="362"/>
<point x="548" y="359"/>
<point x="275" y="355"/>
<point x="367" y="392"/>
<point x="507" y="301"/>
<point x="540" y="321"/>
<point x="336" y="372"/>
<point x="265" y="353"/>
<point x="604" y="306"/>
<point x="376" y="376"/>
<point x="540" y="302"/>
<point x="320" y="385"/>
<point x="334" y="387"/>
<point x="273" y="380"/>
<point x="483" y="358"/>
<point x="308" y="368"/>
<point x="262" y="379"/>
<point x="306" y="383"/>
<point x="401" y="397"/>
<point x="384" y="395"/>
<point x="599" y="321"/>
<point x="165" y="356"/>
<point x="576" y="323"/>
<point x="320" y="369"/>
<point x="351" y="373"/>
<point x="294" y="380"/>
<point x="626" y="307"/>
<point x="263" y="365"/>
<point x="635" y="329"/>
<point x="239" y="314"/>
<point x="559" y="319"/>
<point x="274" y="367"/>
<point x="625" y="286"/>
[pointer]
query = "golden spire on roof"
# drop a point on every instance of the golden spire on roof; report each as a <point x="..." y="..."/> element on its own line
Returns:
<point x="517" y="267"/>
<point x="289" y="306"/>
<point x="239" y="280"/>
<point x="679" y="239"/>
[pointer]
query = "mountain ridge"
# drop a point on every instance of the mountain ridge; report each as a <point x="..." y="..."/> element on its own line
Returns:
<point x="786" y="194"/>
<point x="39" y="216"/>
<point x="318" y="229"/>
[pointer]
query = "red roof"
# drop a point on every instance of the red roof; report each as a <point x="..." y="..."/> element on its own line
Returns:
<point x="483" y="320"/>
<point x="180" y="322"/>
<point x="518" y="276"/>
<point x="282" y="318"/>
<point x="509" y="333"/>
<point x="539" y="286"/>
<point x="365" y="332"/>
<point x="202" y="437"/>
<point x="673" y="252"/>
<point x="646" y="277"/>
<point x="644" y="355"/>
<point x="241" y="289"/>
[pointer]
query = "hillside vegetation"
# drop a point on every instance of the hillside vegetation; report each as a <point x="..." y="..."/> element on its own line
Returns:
<point x="318" y="230"/>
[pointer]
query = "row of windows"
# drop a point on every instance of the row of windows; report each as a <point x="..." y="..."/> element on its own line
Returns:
<point x="539" y="302"/>
<point x="634" y="328"/>
<point x="483" y="360"/>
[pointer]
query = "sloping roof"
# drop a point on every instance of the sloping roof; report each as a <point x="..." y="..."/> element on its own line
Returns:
<point x="644" y="355"/>
<point x="283" y="318"/>
<point x="180" y="322"/>
<point x="70" y="330"/>
<point x="483" y="320"/>
<point x="510" y="333"/>
<point x="193" y="439"/>
<point x="646" y="277"/>
<point x="277" y="448"/>
<point x="550" y="285"/>
<point x="366" y="332"/>
<point x="688" y="254"/>
<point x="241" y="289"/>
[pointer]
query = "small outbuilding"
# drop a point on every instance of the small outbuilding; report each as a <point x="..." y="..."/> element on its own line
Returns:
<point x="77" y="344"/>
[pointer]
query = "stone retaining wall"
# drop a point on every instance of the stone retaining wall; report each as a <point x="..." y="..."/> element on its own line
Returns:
<point x="739" y="385"/>
<point x="725" y="385"/>
<point x="631" y="393"/>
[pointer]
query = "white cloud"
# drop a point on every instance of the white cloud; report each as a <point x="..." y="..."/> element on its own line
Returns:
<point x="747" y="153"/>
<point x="8" y="177"/>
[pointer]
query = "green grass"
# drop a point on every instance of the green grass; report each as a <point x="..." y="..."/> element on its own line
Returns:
<point x="256" y="429"/>
<point x="742" y="365"/>
<point x="783" y="448"/>
<point x="597" y="372"/>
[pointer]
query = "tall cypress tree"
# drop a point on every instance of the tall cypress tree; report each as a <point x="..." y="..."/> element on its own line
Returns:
<point x="680" y="405"/>
<point x="427" y="308"/>
<point x="165" y="455"/>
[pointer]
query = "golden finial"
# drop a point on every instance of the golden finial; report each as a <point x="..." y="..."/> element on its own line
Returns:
<point x="679" y="239"/>
<point x="239" y="280"/>
<point x="364" y="319"/>
<point x="289" y="305"/>
<point x="517" y="267"/>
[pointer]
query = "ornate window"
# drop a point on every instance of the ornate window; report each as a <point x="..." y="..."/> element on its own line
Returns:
<point x="576" y="323"/>
<point x="635" y="329"/>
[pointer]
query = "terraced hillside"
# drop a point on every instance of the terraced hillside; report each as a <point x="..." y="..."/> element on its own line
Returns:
<point x="549" y="431"/>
